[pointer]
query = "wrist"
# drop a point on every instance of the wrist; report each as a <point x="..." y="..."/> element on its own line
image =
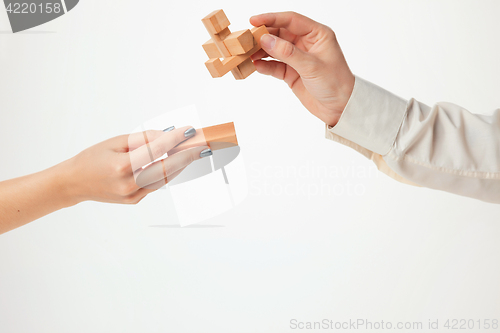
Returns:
<point x="66" y="181"/>
<point x="344" y="95"/>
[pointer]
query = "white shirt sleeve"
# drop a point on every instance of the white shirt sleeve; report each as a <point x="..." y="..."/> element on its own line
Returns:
<point x="443" y="147"/>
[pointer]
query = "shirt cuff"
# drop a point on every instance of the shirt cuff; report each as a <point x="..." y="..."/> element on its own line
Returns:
<point x="372" y="117"/>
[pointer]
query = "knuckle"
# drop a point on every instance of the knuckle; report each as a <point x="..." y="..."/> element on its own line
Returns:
<point x="330" y="33"/>
<point x="123" y="167"/>
<point x="131" y="185"/>
<point x="128" y="187"/>
<point x="152" y="135"/>
<point x="279" y="71"/>
<point x="140" y="182"/>
<point x="287" y="49"/>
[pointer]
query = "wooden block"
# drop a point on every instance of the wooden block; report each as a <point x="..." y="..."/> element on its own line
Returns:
<point x="216" y="21"/>
<point x="237" y="73"/>
<point x="211" y="49"/>
<point x="219" y="68"/>
<point x="246" y="68"/>
<point x="242" y="44"/>
<point x="219" y="50"/>
<point x="212" y="69"/>
<point x="220" y="45"/>
<point x="239" y="42"/>
<point x="258" y="32"/>
<point x="224" y="33"/>
<point x="214" y="72"/>
<point x="216" y="137"/>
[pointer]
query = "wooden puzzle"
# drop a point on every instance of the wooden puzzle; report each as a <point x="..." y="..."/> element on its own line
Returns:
<point x="216" y="137"/>
<point x="234" y="48"/>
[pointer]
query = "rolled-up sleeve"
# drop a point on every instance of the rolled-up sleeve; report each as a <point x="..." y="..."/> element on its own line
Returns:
<point x="443" y="147"/>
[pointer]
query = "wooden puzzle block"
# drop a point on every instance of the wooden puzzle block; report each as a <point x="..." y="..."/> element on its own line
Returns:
<point x="216" y="137"/>
<point x="224" y="33"/>
<point x="235" y="48"/>
<point x="239" y="42"/>
<point x="218" y="68"/>
<point x="211" y="49"/>
<point x="217" y="49"/>
<point x="237" y="73"/>
<point x="246" y="68"/>
<point x="220" y="45"/>
<point x="216" y="21"/>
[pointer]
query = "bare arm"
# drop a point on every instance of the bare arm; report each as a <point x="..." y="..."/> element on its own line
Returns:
<point x="111" y="171"/>
<point x="30" y="197"/>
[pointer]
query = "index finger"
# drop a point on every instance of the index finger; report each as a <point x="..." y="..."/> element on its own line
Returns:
<point x="138" y="139"/>
<point x="295" y="23"/>
<point x="159" y="147"/>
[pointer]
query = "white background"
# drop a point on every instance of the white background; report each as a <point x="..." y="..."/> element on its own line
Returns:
<point x="390" y="252"/>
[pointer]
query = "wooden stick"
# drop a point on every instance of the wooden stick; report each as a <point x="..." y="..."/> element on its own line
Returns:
<point x="216" y="137"/>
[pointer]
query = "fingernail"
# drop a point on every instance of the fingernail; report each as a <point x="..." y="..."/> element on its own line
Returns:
<point x="190" y="132"/>
<point x="268" y="41"/>
<point x="171" y="128"/>
<point x="206" y="152"/>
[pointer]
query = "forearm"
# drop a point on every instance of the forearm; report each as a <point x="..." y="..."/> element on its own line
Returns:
<point x="444" y="147"/>
<point x="30" y="197"/>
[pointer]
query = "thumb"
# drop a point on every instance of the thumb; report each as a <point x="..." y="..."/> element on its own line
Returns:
<point x="286" y="52"/>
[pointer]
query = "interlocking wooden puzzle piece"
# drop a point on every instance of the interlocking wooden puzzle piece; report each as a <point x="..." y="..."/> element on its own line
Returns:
<point x="237" y="73"/>
<point x="246" y="68"/>
<point x="216" y="21"/>
<point x="213" y="52"/>
<point x="219" y="43"/>
<point x="224" y="33"/>
<point x="211" y="49"/>
<point x="235" y="48"/>
<point x="216" y="137"/>
<point x="239" y="42"/>
<point x="219" y="68"/>
<point x="217" y="26"/>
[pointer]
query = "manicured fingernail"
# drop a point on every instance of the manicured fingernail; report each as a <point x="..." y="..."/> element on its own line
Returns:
<point x="171" y="128"/>
<point x="268" y="41"/>
<point x="190" y="132"/>
<point x="206" y="152"/>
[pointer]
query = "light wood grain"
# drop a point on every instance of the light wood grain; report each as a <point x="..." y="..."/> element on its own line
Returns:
<point x="216" y="137"/>
<point x="216" y="21"/>
<point x="239" y="42"/>
<point x="218" y="68"/>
